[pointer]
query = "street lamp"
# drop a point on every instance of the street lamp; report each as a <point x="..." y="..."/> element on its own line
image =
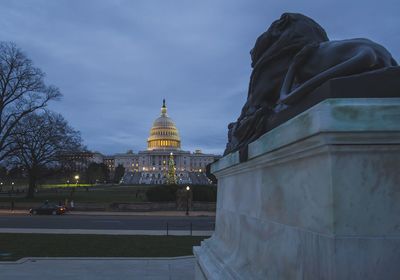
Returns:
<point x="187" y="200"/>
<point x="76" y="179"/>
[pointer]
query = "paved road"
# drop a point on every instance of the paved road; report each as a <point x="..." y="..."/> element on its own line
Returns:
<point x="108" y="222"/>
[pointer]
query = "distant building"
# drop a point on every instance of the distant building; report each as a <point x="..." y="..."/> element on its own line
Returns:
<point x="151" y="166"/>
<point x="80" y="161"/>
<point x="109" y="161"/>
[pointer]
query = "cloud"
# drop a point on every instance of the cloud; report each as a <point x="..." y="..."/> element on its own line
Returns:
<point x="115" y="61"/>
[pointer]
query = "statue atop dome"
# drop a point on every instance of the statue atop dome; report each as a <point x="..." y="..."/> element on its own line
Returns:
<point x="163" y="108"/>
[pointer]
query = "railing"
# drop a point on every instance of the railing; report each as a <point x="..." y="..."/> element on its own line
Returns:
<point x="170" y="226"/>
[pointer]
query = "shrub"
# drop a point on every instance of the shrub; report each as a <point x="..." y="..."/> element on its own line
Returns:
<point x="206" y="193"/>
<point x="162" y="193"/>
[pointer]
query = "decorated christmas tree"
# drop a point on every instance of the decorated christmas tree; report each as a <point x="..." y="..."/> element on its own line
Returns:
<point x="171" y="175"/>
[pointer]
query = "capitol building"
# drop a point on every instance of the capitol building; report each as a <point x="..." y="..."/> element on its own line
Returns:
<point x="151" y="166"/>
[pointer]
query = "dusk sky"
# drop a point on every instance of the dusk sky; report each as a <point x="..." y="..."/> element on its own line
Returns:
<point x="114" y="61"/>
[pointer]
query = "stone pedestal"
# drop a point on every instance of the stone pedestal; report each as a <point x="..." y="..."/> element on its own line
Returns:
<point x="319" y="198"/>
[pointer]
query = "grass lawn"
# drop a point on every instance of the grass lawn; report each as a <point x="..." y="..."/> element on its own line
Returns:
<point x="49" y="186"/>
<point x="91" y="196"/>
<point x="77" y="245"/>
<point x="97" y="195"/>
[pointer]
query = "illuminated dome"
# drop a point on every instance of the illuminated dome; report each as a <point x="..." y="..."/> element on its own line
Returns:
<point x="164" y="134"/>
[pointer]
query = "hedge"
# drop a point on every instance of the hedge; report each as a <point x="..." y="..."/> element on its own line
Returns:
<point x="206" y="193"/>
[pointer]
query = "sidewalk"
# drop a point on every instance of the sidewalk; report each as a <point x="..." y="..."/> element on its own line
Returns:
<point x="179" y="268"/>
<point x="5" y="212"/>
<point x="186" y="232"/>
<point x="152" y="213"/>
<point x="109" y="213"/>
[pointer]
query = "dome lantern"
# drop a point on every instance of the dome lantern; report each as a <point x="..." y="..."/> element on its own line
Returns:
<point x="164" y="109"/>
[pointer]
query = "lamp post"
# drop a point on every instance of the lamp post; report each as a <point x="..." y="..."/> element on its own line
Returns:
<point x="187" y="200"/>
<point x="76" y="179"/>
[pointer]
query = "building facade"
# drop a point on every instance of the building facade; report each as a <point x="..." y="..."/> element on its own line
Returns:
<point x="80" y="161"/>
<point x="151" y="166"/>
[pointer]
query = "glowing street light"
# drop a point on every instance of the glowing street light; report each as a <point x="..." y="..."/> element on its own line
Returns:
<point x="76" y="179"/>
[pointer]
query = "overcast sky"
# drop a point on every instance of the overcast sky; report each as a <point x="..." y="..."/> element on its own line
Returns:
<point x="114" y="61"/>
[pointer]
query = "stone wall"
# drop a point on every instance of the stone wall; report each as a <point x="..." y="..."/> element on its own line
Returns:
<point x="317" y="199"/>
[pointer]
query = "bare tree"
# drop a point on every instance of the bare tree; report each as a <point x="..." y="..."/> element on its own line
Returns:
<point x="22" y="91"/>
<point x="41" y="140"/>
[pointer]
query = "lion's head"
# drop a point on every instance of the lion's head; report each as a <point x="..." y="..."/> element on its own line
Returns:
<point x="291" y="30"/>
<point x="271" y="56"/>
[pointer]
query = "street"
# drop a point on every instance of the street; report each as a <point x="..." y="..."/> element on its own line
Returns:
<point x="108" y="222"/>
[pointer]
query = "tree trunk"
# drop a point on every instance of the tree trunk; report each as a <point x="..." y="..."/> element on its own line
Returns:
<point x="32" y="184"/>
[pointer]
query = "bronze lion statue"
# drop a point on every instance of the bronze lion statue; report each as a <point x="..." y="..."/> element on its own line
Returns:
<point x="291" y="59"/>
<point x="271" y="57"/>
<point x="318" y="63"/>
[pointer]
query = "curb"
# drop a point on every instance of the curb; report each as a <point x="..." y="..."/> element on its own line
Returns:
<point x="185" y="232"/>
<point x="150" y="213"/>
<point x="119" y="213"/>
